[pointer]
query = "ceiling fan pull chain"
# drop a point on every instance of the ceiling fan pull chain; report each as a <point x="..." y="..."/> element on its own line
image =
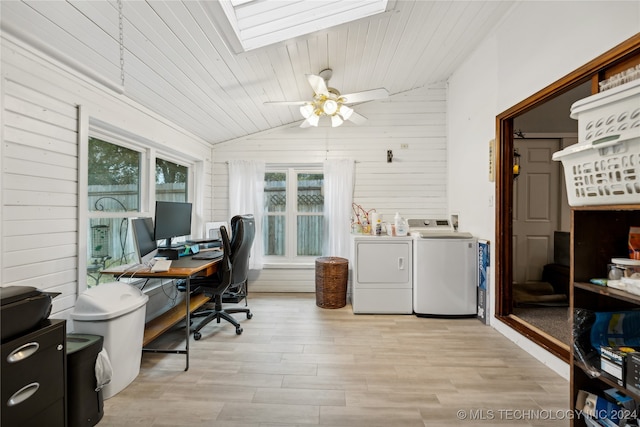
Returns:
<point x="121" y="28"/>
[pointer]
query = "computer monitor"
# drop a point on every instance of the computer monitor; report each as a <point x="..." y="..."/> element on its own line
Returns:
<point x="212" y="230"/>
<point x="173" y="219"/>
<point x="146" y="246"/>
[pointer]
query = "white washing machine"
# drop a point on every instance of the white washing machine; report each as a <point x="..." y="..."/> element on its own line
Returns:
<point x="444" y="269"/>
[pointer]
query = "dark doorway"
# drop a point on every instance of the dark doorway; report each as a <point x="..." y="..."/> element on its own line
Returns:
<point x="611" y="62"/>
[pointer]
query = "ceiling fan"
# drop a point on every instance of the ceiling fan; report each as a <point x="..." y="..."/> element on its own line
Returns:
<point x="328" y="101"/>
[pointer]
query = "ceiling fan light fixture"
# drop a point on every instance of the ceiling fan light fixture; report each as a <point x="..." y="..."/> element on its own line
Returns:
<point x="328" y="101"/>
<point x="330" y="107"/>
<point x="313" y="120"/>
<point x="345" y="111"/>
<point x="307" y="110"/>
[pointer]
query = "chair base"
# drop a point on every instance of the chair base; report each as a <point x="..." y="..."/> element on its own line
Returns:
<point x="232" y="297"/>
<point x="236" y="294"/>
<point x="217" y="313"/>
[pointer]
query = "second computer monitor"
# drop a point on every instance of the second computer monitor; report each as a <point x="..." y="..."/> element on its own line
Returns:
<point x="173" y="219"/>
<point x="146" y="246"/>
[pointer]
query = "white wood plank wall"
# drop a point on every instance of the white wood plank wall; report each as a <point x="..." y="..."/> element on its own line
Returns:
<point x="414" y="184"/>
<point x="40" y="188"/>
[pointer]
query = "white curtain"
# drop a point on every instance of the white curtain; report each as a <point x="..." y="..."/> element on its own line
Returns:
<point x="338" y="198"/>
<point x="246" y="196"/>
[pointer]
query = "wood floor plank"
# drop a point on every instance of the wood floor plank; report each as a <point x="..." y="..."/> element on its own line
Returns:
<point x="297" y="364"/>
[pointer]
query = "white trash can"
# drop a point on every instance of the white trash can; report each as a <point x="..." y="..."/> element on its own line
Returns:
<point x="115" y="311"/>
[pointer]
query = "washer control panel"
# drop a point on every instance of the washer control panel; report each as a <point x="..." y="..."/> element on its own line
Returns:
<point x="428" y="224"/>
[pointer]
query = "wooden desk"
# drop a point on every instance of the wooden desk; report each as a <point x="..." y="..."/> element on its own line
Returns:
<point x="183" y="268"/>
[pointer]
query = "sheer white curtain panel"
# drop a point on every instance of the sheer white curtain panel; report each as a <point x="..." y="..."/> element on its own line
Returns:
<point x="246" y="196"/>
<point x="338" y="198"/>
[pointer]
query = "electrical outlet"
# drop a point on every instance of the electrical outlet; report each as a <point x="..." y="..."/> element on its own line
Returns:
<point x="404" y="146"/>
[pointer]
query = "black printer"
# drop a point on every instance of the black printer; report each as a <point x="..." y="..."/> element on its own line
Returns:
<point x="22" y="309"/>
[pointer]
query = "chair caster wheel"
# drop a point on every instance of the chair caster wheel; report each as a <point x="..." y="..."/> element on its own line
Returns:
<point x="197" y="336"/>
<point x="238" y="330"/>
<point x="249" y="315"/>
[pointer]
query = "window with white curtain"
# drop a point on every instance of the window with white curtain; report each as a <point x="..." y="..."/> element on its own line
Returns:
<point x="293" y="214"/>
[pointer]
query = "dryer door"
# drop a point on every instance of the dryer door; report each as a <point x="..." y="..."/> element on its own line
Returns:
<point x="383" y="265"/>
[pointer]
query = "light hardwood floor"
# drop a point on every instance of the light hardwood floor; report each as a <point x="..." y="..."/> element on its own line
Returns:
<point x="300" y="365"/>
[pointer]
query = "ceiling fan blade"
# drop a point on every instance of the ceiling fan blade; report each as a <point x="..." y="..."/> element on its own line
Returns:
<point x="318" y="84"/>
<point x="367" y="95"/>
<point x="356" y="118"/>
<point x="285" y="102"/>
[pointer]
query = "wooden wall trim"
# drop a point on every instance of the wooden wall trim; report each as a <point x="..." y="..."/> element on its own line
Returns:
<point x="544" y="340"/>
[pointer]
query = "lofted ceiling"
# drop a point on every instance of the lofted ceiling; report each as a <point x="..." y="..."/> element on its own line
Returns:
<point x="180" y="61"/>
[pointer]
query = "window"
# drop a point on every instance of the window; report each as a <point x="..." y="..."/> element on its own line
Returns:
<point x="293" y="224"/>
<point x="118" y="191"/>
<point x="171" y="181"/>
<point x="114" y="177"/>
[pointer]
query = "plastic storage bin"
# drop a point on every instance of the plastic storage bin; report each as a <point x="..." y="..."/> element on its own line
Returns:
<point x="115" y="311"/>
<point x="84" y="403"/>
<point x="604" y="167"/>
<point x="606" y="113"/>
<point x="605" y="171"/>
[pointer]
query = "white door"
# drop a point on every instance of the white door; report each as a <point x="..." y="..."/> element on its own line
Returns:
<point x="536" y="207"/>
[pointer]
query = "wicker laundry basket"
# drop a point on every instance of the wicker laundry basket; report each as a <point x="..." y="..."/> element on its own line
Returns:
<point x="331" y="282"/>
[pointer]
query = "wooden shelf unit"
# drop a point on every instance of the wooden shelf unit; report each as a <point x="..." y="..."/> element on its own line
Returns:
<point x="159" y="325"/>
<point x="598" y="233"/>
<point x="184" y="268"/>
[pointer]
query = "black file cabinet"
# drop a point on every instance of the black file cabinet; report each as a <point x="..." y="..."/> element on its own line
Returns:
<point x="34" y="377"/>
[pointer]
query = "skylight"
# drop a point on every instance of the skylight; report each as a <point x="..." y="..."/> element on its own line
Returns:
<point x="258" y="23"/>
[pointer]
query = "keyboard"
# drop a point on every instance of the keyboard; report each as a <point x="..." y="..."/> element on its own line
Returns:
<point x="161" y="265"/>
<point x="208" y="255"/>
<point x="213" y="241"/>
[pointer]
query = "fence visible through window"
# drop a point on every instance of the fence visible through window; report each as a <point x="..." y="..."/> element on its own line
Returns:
<point x="308" y="216"/>
<point x="110" y="240"/>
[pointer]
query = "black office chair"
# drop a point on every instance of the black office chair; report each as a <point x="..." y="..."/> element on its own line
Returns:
<point x="216" y="286"/>
<point x="243" y="232"/>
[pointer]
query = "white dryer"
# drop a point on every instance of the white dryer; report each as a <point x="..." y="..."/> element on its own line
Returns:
<point x="382" y="274"/>
<point x="444" y="269"/>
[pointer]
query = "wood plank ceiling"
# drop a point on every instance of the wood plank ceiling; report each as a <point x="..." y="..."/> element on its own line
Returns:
<point x="179" y="63"/>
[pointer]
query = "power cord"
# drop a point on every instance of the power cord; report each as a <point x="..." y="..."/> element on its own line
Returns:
<point x="173" y="298"/>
